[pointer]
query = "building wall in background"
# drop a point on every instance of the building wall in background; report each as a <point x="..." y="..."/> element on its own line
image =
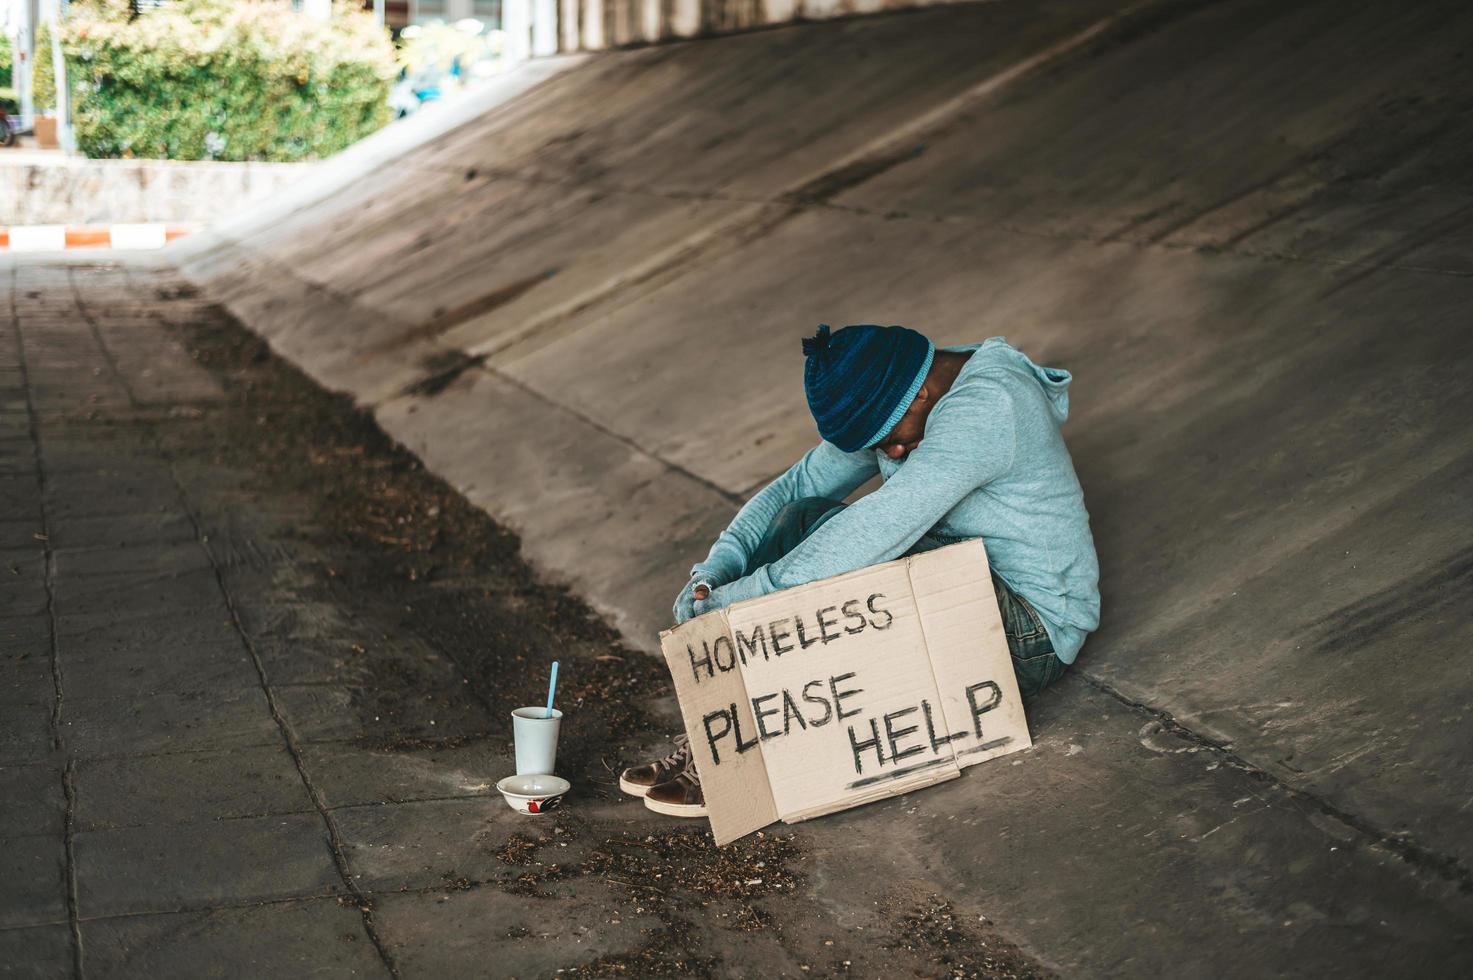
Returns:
<point x="540" y="27"/>
<point x="582" y="25"/>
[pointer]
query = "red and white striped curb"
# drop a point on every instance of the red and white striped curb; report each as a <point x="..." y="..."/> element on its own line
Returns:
<point x="55" y="238"/>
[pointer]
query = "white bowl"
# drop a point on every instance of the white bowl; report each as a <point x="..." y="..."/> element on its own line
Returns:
<point x="533" y="794"/>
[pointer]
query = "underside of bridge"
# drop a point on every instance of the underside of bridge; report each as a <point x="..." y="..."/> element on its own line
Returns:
<point x="1246" y="227"/>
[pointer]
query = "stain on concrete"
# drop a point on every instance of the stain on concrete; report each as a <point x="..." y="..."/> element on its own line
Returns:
<point x="1447" y="586"/>
<point x="445" y="320"/>
<point x="1388" y="257"/>
<point x="182" y="290"/>
<point x="830" y="185"/>
<point x="444" y="369"/>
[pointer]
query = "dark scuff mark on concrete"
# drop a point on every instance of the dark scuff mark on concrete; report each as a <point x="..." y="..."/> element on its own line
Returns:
<point x="180" y="291"/>
<point x="443" y="370"/>
<point x="1389" y="257"/>
<point x="827" y="186"/>
<point x="1449" y="585"/>
<point x="445" y="320"/>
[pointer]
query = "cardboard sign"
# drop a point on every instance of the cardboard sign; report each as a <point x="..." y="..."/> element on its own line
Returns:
<point x="847" y="690"/>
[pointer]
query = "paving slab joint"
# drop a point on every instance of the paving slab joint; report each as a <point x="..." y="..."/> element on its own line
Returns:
<point x="58" y="741"/>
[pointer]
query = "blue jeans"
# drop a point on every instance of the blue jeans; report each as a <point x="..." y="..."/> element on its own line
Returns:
<point x="1033" y="652"/>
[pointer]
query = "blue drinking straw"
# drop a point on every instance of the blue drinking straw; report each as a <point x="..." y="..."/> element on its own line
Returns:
<point x="551" y="687"/>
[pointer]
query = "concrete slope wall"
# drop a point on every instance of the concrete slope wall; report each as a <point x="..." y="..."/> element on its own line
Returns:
<point x="1246" y="227"/>
<point x="497" y="241"/>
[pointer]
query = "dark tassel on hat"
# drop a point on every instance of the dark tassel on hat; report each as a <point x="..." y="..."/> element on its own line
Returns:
<point x="819" y="341"/>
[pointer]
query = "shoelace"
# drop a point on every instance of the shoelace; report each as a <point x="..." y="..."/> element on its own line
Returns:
<point x="681" y="755"/>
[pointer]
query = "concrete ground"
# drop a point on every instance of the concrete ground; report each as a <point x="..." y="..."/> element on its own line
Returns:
<point x="1245" y="226"/>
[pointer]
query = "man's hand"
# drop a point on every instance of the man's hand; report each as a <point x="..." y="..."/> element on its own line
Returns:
<point x="696" y="590"/>
<point x="746" y="587"/>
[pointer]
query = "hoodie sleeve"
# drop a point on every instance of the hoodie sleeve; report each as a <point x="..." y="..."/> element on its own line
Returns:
<point x="970" y="441"/>
<point x="824" y="471"/>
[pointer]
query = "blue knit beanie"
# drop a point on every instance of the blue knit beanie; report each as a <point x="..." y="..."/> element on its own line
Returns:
<point x="860" y="380"/>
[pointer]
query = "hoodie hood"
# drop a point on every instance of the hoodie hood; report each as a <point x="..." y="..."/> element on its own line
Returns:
<point x="1054" y="381"/>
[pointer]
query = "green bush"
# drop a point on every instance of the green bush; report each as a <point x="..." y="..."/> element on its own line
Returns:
<point x="43" y="73"/>
<point x="212" y="79"/>
<point x="6" y="61"/>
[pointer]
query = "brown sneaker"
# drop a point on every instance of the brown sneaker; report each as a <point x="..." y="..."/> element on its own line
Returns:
<point x="680" y="797"/>
<point x="638" y="780"/>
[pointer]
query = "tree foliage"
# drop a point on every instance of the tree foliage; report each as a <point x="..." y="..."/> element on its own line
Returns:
<point x="6" y="61"/>
<point x="215" y="79"/>
<point x="43" y="73"/>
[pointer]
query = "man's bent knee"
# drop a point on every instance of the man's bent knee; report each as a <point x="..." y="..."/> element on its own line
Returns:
<point x="805" y="510"/>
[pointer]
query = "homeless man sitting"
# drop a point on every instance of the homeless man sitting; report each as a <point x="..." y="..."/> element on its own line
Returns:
<point x="967" y="442"/>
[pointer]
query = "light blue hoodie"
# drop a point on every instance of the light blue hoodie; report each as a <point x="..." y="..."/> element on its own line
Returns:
<point x="992" y="465"/>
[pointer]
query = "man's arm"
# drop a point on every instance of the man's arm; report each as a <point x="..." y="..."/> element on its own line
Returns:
<point x="969" y="442"/>
<point x="824" y="471"/>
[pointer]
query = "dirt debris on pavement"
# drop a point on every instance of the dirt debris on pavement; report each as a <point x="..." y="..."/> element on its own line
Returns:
<point x="961" y="948"/>
<point x="408" y="538"/>
<point x="674" y="875"/>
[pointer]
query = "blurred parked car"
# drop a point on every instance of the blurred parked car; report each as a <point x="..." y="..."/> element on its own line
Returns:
<point x="437" y="60"/>
<point x="9" y="122"/>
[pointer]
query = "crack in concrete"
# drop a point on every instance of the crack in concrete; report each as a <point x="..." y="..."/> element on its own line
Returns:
<point x="334" y="840"/>
<point x="58" y="741"/>
<point x="74" y="917"/>
<point x="1418" y="856"/>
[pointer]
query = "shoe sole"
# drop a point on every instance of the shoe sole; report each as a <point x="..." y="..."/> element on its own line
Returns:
<point x="633" y="789"/>
<point x="676" y="809"/>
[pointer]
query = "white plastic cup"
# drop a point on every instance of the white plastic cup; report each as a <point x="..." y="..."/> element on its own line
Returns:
<point x="536" y="739"/>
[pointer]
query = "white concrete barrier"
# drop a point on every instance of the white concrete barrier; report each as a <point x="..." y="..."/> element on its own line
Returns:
<point x="55" y="238"/>
<point x="38" y="238"/>
<point x="138" y="236"/>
